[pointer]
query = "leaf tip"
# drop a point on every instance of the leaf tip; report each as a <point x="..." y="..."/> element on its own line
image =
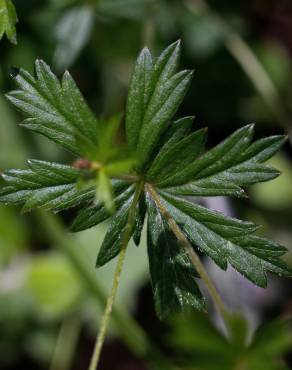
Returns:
<point x="145" y="50"/>
<point x="250" y="127"/>
<point x="14" y="72"/>
<point x="98" y="262"/>
<point x="66" y="73"/>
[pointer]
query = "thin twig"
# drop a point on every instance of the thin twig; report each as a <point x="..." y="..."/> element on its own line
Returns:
<point x="125" y="240"/>
<point x="191" y="254"/>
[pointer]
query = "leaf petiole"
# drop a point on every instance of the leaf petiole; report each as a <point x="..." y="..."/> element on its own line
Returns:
<point x="111" y="298"/>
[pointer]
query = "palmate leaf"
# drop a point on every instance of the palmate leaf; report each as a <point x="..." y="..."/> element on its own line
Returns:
<point x="171" y="161"/>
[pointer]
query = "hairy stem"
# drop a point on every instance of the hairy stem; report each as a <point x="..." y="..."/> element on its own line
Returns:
<point x="108" y="309"/>
<point x="191" y="254"/>
<point x="130" y="332"/>
<point x="109" y="305"/>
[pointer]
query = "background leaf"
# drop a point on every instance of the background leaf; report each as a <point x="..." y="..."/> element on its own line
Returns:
<point x="8" y="19"/>
<point x="72" y="33"/>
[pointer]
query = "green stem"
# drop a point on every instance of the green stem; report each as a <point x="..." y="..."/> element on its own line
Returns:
<point x="130" y="332"/>
<point x="223" y="312"/>
<point x="108" y="309"/>
<point x="125" y="240"/>
<point x="66" y="344"/>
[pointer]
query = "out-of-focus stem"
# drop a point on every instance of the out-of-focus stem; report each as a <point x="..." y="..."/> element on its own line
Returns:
<point x="66" y="344"/>
<point x="130" y="332"/>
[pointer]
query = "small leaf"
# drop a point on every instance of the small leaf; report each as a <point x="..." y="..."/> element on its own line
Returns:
<point x="173" y="134"/>
<point x="172" y="275"/>
<point x="227" y="167"/>
<point x="113" y="239"/>
<point x="45" y="185"/>
<point x="138" y="97"/>
<point x="57" y="111"/>
<point x="91" y="216"/>
<point x="178" y="156"/>
<point x="163" y="105"/>
<point x="215" y="160"/>
<point x="8" y="20"/>
<point x="154" y="96"/>
<point x="140" y="218"/>
<point x="72" y="33"/>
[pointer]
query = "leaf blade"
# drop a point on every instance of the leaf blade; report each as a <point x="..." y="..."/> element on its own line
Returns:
<point x="172" y="275"/>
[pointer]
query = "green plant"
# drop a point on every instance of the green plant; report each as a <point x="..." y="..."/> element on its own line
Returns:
<point x="8" y="19"/>
<point x="197" y="343"/>
<point x="163" y="162"/>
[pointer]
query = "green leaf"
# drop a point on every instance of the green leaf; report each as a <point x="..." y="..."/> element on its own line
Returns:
<point x="138" y="97"/>
<point x="226" y="168"/>
<point x="72" y="33"/>
<point x="154" y="96"/>
<point x="228" y="240"/>
<point x="172" y="275"/>
<point x="8" y="19"/>
<point x="197" y="342"/>
<point x="45" y="185"/>
<point x="140" y="218"/>
<point x="163" y="105"/>
<point x="173" y="134"/>
<point x="170" y="161"/>
<point x="177" y="156"/>
<point x="55" y="110"/>
<point x="91" y="216"/>
<point x="113" y="239"/>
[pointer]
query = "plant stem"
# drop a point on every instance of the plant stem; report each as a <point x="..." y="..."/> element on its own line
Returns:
<point x="109" y="305"/>
<point x="191" y="254"/>
<point x="130" y="331"/>
<point x="66" y="344"/>
<point x="108" y="309"/>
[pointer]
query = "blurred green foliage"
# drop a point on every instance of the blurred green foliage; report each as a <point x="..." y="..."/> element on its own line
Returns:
<point x="201" y="346"/>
